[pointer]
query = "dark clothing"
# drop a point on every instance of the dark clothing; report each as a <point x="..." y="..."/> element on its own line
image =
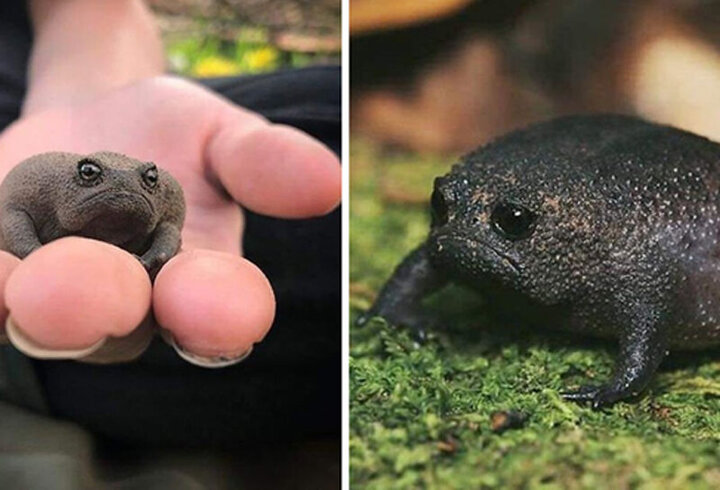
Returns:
<point x="289" y="388"/>
<point x="15" y="39"/>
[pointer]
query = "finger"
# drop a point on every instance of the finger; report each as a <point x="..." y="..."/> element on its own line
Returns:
<point x="275" y="170"/>
<point x="8" y="262"/>
<point x="214" y="304"/>
<point x="71" y="294"/>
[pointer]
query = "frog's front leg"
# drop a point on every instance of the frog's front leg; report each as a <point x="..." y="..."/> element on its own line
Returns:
<point x="399" y="301"/>
<point x="19" y="235"/>
<point x="165" y="244"/>
<point x="643" y="346"/>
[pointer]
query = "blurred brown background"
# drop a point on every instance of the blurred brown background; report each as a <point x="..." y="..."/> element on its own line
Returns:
<point x="447" y="75"/>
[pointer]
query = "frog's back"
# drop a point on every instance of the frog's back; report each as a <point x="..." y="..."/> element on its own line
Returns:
<point x="623" y="158"/>
<point x="611" y="143"/>
<point x="661" y="184"/>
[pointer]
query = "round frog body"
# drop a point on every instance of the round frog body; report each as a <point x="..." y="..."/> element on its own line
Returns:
<point x="605" y="225"/>
<point x="105" y="196"/>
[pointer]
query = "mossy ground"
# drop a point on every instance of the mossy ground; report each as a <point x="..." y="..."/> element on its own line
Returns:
<point x="420" y="414"/>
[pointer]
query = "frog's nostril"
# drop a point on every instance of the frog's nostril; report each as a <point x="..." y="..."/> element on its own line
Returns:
<point x="437" y="245"/>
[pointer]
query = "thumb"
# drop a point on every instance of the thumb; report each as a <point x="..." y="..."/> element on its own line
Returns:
<point x="274" y="169"/>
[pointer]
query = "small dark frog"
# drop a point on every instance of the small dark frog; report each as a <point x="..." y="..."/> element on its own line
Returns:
<point x="605" y="225"/>
<point x="105" y="196"/>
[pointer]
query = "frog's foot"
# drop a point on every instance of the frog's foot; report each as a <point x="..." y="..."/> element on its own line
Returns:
<point x="643" y="346"/>
<point x="153" y="262"/>
<point x="399" y="317"/>
<point x="404" y="317"/>
<point x="598" y="396"/>
<point x="399" y="300"/>
<point x="418" y="323"/>
<point x="364" y="318"/>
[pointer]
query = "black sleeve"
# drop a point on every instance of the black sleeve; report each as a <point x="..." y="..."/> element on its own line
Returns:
<point x="15" y="42"/>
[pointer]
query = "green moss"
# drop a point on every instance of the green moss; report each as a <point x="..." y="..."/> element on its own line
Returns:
<point x="420" y="414"/>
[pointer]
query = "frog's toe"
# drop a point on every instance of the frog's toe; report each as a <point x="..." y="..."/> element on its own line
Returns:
<point x="598" y="396"/>
<point x="419" y="334"/>
<point x="149" y="263"/>
<point x="607" y="396"/>
<point x="143" y="261"/>
<point x="582" y="394"/>
<point x="418" y="322"/>
<point x="364" y="318"/>
<point x="373" y="312"/>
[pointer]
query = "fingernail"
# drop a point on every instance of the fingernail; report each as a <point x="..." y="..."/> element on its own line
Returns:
<point x="29" y="347"/>
<point x="212" y="362"/>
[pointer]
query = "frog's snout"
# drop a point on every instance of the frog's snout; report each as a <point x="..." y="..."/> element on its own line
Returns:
<point x="472" y="255"/>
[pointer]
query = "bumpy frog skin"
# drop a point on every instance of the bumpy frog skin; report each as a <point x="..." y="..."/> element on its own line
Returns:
<point x="105" y="196"/>
<point x="605" y="225"/>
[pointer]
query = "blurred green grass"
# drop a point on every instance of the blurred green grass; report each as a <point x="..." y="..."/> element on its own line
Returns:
<point x="420" y="415"/>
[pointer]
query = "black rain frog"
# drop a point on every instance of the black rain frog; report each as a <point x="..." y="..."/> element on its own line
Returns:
<point x="605" y="225"/>
<point x="106" y="196"/>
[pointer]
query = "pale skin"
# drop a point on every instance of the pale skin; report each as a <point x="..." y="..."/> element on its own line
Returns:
<point x="96" y="83"/>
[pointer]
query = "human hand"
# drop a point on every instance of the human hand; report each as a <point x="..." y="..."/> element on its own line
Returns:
<point x="212" y="301"/>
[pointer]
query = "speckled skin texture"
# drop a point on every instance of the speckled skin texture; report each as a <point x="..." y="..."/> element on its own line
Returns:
<point x="105" y="196"/>
<point x="605" y="225"/>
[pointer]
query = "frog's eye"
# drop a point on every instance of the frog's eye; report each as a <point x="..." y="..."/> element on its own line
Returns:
<point x="438" y="208"/>
<point x="512" y="221"/>
<point x="150" y="177"/>
<point x="88" y="170"/>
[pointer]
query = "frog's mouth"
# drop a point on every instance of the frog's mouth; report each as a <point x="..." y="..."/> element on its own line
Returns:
<point x="116" y="197"/>
<point x="500" y="255"/>
<point x="473" y="257"/>
<point x="108" y="210"/>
